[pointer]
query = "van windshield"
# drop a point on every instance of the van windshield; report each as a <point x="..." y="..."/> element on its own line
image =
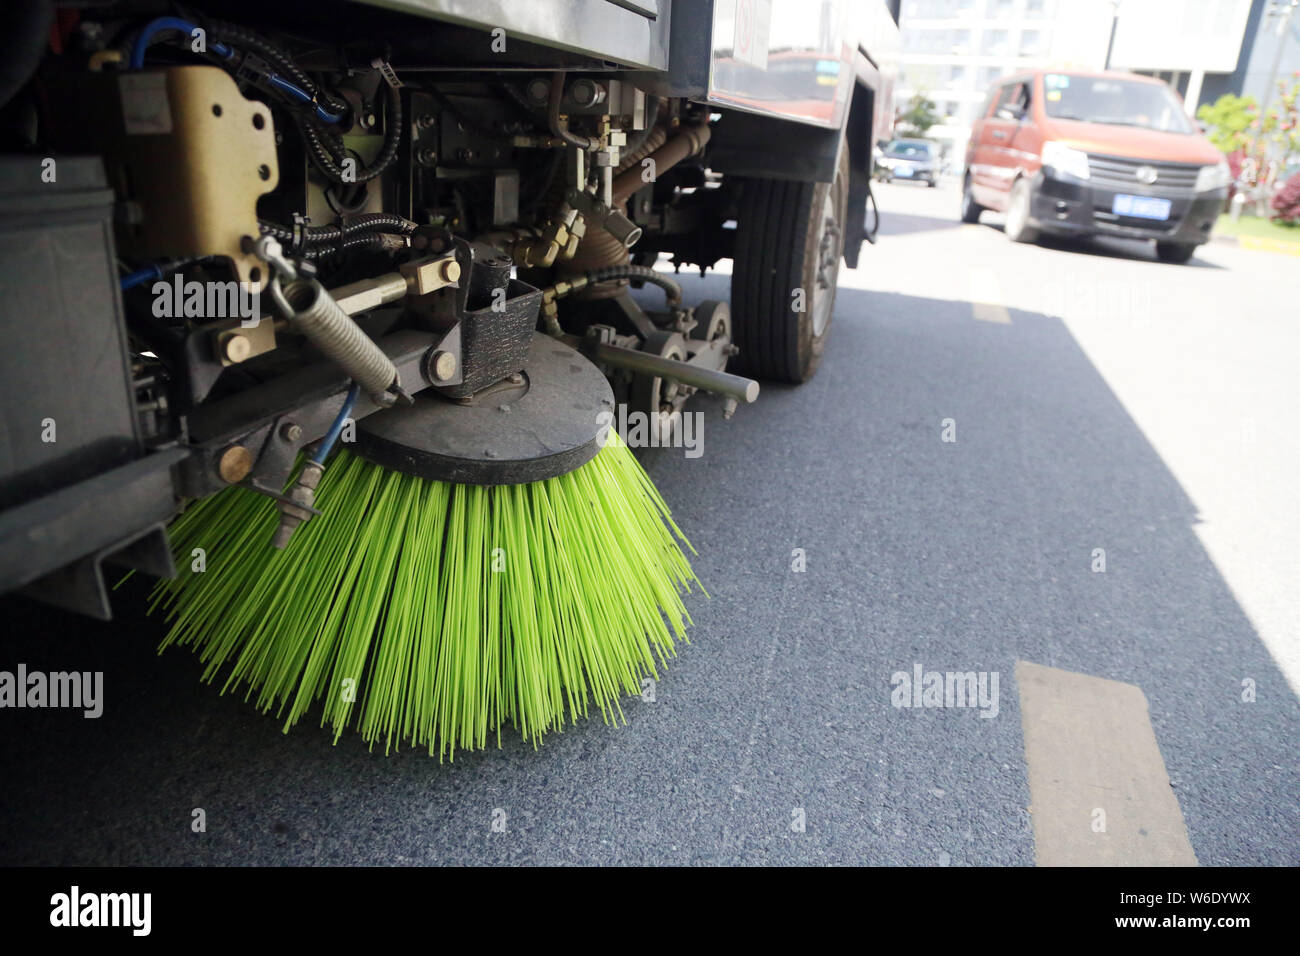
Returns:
<point x="1105" y="99"/>
<point x="906" y="149"/>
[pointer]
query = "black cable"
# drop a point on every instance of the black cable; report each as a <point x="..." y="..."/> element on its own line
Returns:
<point x="329" y="162"/>
<point x="870" y="234"/>
<point x="277" y="57"/>
<point x="307" y="237"/>
<point x="349" y="244"/>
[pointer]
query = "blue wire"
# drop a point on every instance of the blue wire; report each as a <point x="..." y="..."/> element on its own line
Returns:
<point x="141" y="276"/>
<point x="281" y="83"/>
<point x="331" y="436"/>
<point x="154" y="27"/>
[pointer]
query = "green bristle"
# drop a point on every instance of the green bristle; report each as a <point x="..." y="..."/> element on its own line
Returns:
<point x="450" y="609"/>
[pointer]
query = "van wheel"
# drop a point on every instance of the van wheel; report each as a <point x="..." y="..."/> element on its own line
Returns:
<point x="1017" y="225"/>
<point x="970" y="209"/>
<point x="1178" y="252"/>
<point x="789" y="245"/>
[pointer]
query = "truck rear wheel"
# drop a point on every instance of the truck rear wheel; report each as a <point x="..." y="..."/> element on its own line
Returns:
<point x="789" y="243"/>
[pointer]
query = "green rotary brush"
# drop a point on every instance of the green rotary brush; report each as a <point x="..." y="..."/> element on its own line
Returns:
<point x="496" y="559"/>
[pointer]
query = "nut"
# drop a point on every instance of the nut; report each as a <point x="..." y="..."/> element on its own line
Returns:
<point x="234" y="464"/>
<point x="290" y="431"/>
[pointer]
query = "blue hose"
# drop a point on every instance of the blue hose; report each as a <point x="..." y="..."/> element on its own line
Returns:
<point x="280" y="83"/>
<point x="327" y="443"/>
<point x="154" y="27"/>
<point x="141" y="276"/>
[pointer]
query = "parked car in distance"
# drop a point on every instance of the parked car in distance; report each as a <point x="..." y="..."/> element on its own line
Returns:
<point x="1078" y="153"/>
<point x="913" y="159"/>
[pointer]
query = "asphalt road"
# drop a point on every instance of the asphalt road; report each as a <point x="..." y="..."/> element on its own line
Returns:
<point x="1100" y="399"/>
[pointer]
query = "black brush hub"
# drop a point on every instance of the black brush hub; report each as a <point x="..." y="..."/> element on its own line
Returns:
<point x="543" y="425"/>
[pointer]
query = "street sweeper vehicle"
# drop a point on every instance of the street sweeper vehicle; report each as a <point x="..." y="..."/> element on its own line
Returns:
<point x="321" y="315"/>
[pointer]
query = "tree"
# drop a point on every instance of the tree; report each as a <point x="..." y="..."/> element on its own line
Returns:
<point x="1286" y="204"/>
<point x="1273" y="141"/>
<point x="1229" y="119"/>
<point x="917" y="117"/>
<point x="1259" y="146"/>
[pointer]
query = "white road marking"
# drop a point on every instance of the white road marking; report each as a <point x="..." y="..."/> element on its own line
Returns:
<point x="987" y="298"/>
<point x="1099" y="790"/>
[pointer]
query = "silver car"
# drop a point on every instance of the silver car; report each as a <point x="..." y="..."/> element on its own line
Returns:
<point x="911" y="159"/>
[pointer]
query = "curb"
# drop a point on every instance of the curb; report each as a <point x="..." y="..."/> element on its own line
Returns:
<point x="1282" y="246"/>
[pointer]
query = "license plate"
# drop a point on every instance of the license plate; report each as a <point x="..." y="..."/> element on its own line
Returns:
<point x="903" y="171"/>
<point x="1141" y="207"/>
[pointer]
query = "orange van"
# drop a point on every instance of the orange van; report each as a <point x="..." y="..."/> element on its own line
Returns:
<point x="1076" y="153"/>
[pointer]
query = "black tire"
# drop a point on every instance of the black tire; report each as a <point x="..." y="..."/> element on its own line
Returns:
<point x="970" y="209"/>
<point x="932" y="183"/>
<point x="1176" y="252"/>
<point x="784" y="242"/>
<point x="1019" y="203"/>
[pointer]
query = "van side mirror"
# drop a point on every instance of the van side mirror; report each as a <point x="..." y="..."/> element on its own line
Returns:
<point x="1013" y="113"/>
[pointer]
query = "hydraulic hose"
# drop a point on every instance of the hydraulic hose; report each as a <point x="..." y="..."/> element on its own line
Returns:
<point x="686" y="142"/>
<point x="327" y="160"/>
<point x="366" y="240"/>
<point x="241" y="37"/>
<point x="553" y="116"/>
<point x="300" y="237"/>
<point x="672" y="290"/>
<point x="302" y="91"/>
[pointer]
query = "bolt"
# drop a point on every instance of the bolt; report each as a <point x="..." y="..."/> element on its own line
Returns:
<point x="443" y="365"/>
<point x="450" y="270"/>
<point x="290" y="431"/>
<point x="425" y="121"/>
<point x="516" y="378"/>
<point x="585" y="93"/>
<point x="237" y="347"/>
<point x="538" y="90"/>
<point x="234" y="464"/>
<point x="426" y="157"/>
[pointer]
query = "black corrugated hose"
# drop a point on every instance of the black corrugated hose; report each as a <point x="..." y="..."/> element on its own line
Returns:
<point x="671" y="289"/>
